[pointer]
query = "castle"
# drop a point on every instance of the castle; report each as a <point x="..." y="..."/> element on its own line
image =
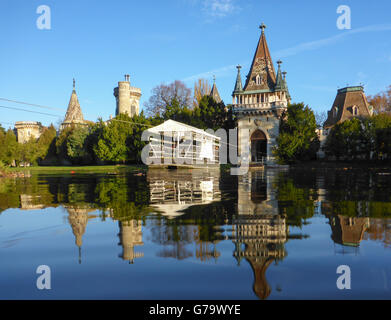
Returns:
<point x="259" y="106"/>
<point x="127" y="101"/>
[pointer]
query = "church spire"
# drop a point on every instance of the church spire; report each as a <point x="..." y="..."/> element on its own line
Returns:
<point x="214" y="93"/>
<point x="261" y="75"/>
<point x="238" y="84"/>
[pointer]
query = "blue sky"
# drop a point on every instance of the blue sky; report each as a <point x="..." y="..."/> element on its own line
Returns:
<point x="156" y="41"/>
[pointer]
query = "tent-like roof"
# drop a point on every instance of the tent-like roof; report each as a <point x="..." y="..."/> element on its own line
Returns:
<point x="175" y="126"/>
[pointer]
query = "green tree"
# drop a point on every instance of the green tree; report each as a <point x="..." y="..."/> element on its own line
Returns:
<point x="47" y="144"/>
<point x="136" y="145"/>
<point x="61" y="144"/>
<point x="77" y="150"/>
<point x="10" y="148"/>
<point x="298" y="139"/>
<point x="114" y="139"/>
<point x="211" y="114"/>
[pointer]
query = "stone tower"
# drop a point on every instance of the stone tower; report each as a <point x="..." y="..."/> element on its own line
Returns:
<point x="74" y="116"/>
<point x="127" y="98"/>
<point x="25" y="130"/>
<point x="259" y="106"/>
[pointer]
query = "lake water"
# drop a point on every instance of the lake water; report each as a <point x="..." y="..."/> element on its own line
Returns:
<point x="192" y="234"/>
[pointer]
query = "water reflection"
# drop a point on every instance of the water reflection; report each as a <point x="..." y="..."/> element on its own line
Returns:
<point x="209" y="216"/>
<point x="78" y="219"/>
<point x="174" y="191"/>
<point x="259" y="231"/>
<point x="130" y="234"/>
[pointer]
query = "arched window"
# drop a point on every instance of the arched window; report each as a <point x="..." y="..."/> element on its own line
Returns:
<point x="355" y="110"/>
<point x="335" y="111"/>
<point x="258" y="79"/>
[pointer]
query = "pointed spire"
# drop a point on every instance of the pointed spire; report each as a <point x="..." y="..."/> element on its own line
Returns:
<point x="238" y="84"/>
<point x="74" y="113"/>
<point x="214" y="93"/>
<point x="261" y="75"/>
<point x="280" y="81"/>
<point x="286" y="86"/>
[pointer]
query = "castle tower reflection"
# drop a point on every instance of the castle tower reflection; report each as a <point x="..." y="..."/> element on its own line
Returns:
<point x="130" y="235"/>
<point x="259" y="231"/>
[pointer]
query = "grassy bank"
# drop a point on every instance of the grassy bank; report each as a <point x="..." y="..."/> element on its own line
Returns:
<point x="89" y="169"/>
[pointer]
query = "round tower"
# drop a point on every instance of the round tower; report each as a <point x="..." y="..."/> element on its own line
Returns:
<point x="127" y="98"/>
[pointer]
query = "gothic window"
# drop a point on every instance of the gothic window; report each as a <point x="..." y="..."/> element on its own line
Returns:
<point x="258" y="79"/>
<point x="335" y="112"/>
<point x="355" y="111"/>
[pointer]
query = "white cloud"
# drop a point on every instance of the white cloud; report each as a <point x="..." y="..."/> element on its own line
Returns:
<point x="209" y="74"/>
<point x="312" y="45"/>
<point x="219" y="8"/>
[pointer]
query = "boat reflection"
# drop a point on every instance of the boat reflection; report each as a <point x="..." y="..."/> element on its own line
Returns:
<point x="173" y="191"/>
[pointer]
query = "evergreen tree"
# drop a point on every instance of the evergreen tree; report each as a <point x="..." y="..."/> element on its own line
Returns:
<point x="113" y="140"/>
<point x="298" y="139"/>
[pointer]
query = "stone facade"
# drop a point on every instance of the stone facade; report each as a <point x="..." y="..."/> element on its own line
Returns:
<point x="127" y="98"/>
<point x="25" y="130"/>
<point x="259" y="106"/>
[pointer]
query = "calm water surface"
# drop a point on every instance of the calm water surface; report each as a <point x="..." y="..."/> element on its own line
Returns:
<point x="191" y="234"/>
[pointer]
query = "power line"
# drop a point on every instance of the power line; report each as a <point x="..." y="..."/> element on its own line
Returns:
<point x="31" y="104"/>
<point x="11" y="123"/>
<point x="140" y="124"/>
<point x="19" y="109"/>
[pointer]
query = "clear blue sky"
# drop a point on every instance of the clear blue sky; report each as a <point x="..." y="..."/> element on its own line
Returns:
<point x="97" y="42"/>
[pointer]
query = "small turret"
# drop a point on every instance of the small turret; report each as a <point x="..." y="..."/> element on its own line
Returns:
<point x="279" y="81"/>
<point x="214" y="93"/>
<point x="238" y="84"/>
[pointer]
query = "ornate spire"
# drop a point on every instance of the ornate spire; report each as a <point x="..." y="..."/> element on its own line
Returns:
<point x="214" y="93"/>
<point x="261" y="75"/>
<point x="280" y="81"/>
<point x="238" y="84"/>
<point x="74" y="85"/>
<point x="262" y="27"/>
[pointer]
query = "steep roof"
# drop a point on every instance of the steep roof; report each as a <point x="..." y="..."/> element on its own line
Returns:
<point x="344" y="103"/>
<point x="172" y="125"/>
<point x="214" y="93"/>
<point x="261" y="66"/>
<point x="74" y="113"/>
